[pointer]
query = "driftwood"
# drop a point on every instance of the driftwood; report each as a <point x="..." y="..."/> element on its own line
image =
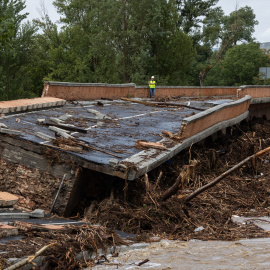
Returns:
<point x="28" y="259"/>
<point x="161" y="104"/>
<point x="172" y="190"/>
<point x="218" y="179"/>
<point x="143" y="262"/>
<point x="172" y="136"/>
<point x="140" y="144"/>
<point x="158" y="181"/>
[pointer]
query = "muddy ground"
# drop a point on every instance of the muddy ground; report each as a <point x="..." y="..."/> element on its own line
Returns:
<point x="138" y="207"/>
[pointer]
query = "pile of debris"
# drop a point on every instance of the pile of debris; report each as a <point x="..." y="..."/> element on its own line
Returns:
<point x="158" y="204"/>
<point x="57" y="246"/>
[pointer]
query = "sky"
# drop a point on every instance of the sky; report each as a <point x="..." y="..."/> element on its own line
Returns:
<point x="260" y="8"/>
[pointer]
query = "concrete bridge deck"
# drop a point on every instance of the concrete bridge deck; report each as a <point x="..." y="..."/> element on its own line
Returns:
<point x="112" y="131"/>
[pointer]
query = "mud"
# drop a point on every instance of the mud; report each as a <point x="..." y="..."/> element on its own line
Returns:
<point x="195" y="255"/>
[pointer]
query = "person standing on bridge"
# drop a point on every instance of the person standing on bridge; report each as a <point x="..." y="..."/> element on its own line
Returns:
<point x="152" y="86"/>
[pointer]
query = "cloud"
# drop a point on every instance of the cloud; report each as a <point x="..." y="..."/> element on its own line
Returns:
<point x="264" y="36"/>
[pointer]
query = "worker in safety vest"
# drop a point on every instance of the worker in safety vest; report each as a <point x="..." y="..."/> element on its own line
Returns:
<point x="152" y="87"/>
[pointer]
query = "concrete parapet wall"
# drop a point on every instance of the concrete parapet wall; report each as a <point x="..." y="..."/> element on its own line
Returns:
<point x="197" y="123"/>
<point x="20" y="105"/>
<point x="255" y="91"/>
<point x="91" y="91"/>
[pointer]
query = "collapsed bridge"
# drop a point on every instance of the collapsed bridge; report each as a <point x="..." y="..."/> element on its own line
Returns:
<point x="95" y="140"/>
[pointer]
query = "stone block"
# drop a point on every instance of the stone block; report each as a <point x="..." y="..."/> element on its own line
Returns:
<point x="7" y="199"/>
<point x="38" y="213"/>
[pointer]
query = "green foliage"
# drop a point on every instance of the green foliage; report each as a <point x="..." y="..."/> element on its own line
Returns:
<point x="15" y="50"/>
<point x="242" y="62"/>
<point x="175" y="59"/>
<point x="192" y="12"/>
<point x="239" y="25"/>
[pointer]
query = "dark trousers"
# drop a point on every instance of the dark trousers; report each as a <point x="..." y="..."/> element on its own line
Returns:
<point x="152" y="92"/>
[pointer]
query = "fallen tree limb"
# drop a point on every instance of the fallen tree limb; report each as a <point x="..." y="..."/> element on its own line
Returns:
<point x="162" y="104"/>
<point x="219" y="178"/>
<point x="29" y="259"/>
<point x="172" y="190"/>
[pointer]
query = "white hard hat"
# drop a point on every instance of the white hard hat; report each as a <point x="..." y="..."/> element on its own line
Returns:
<point x="153" y="77"/>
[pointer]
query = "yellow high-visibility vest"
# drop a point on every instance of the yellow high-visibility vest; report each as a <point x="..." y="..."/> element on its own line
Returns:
<point x="152" y="84"/>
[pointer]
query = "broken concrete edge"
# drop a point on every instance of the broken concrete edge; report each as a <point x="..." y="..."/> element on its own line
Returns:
<point x="260" y="100"/>
<point x="144" y="164"/>
<point x="56" y="102"/>
<point x="255" y="91"/>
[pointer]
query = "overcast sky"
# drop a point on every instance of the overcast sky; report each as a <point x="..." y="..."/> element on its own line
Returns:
<point x="261" y="9"/>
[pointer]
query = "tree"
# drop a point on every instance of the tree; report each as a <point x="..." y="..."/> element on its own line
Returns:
<point x="192" y="12"/>
<point x="241" y="24"/>
<point x="226" y="30"/>
<point x="15" y="49"/>
<point x="242" y="63"/>
<point x="119" y="41"/>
